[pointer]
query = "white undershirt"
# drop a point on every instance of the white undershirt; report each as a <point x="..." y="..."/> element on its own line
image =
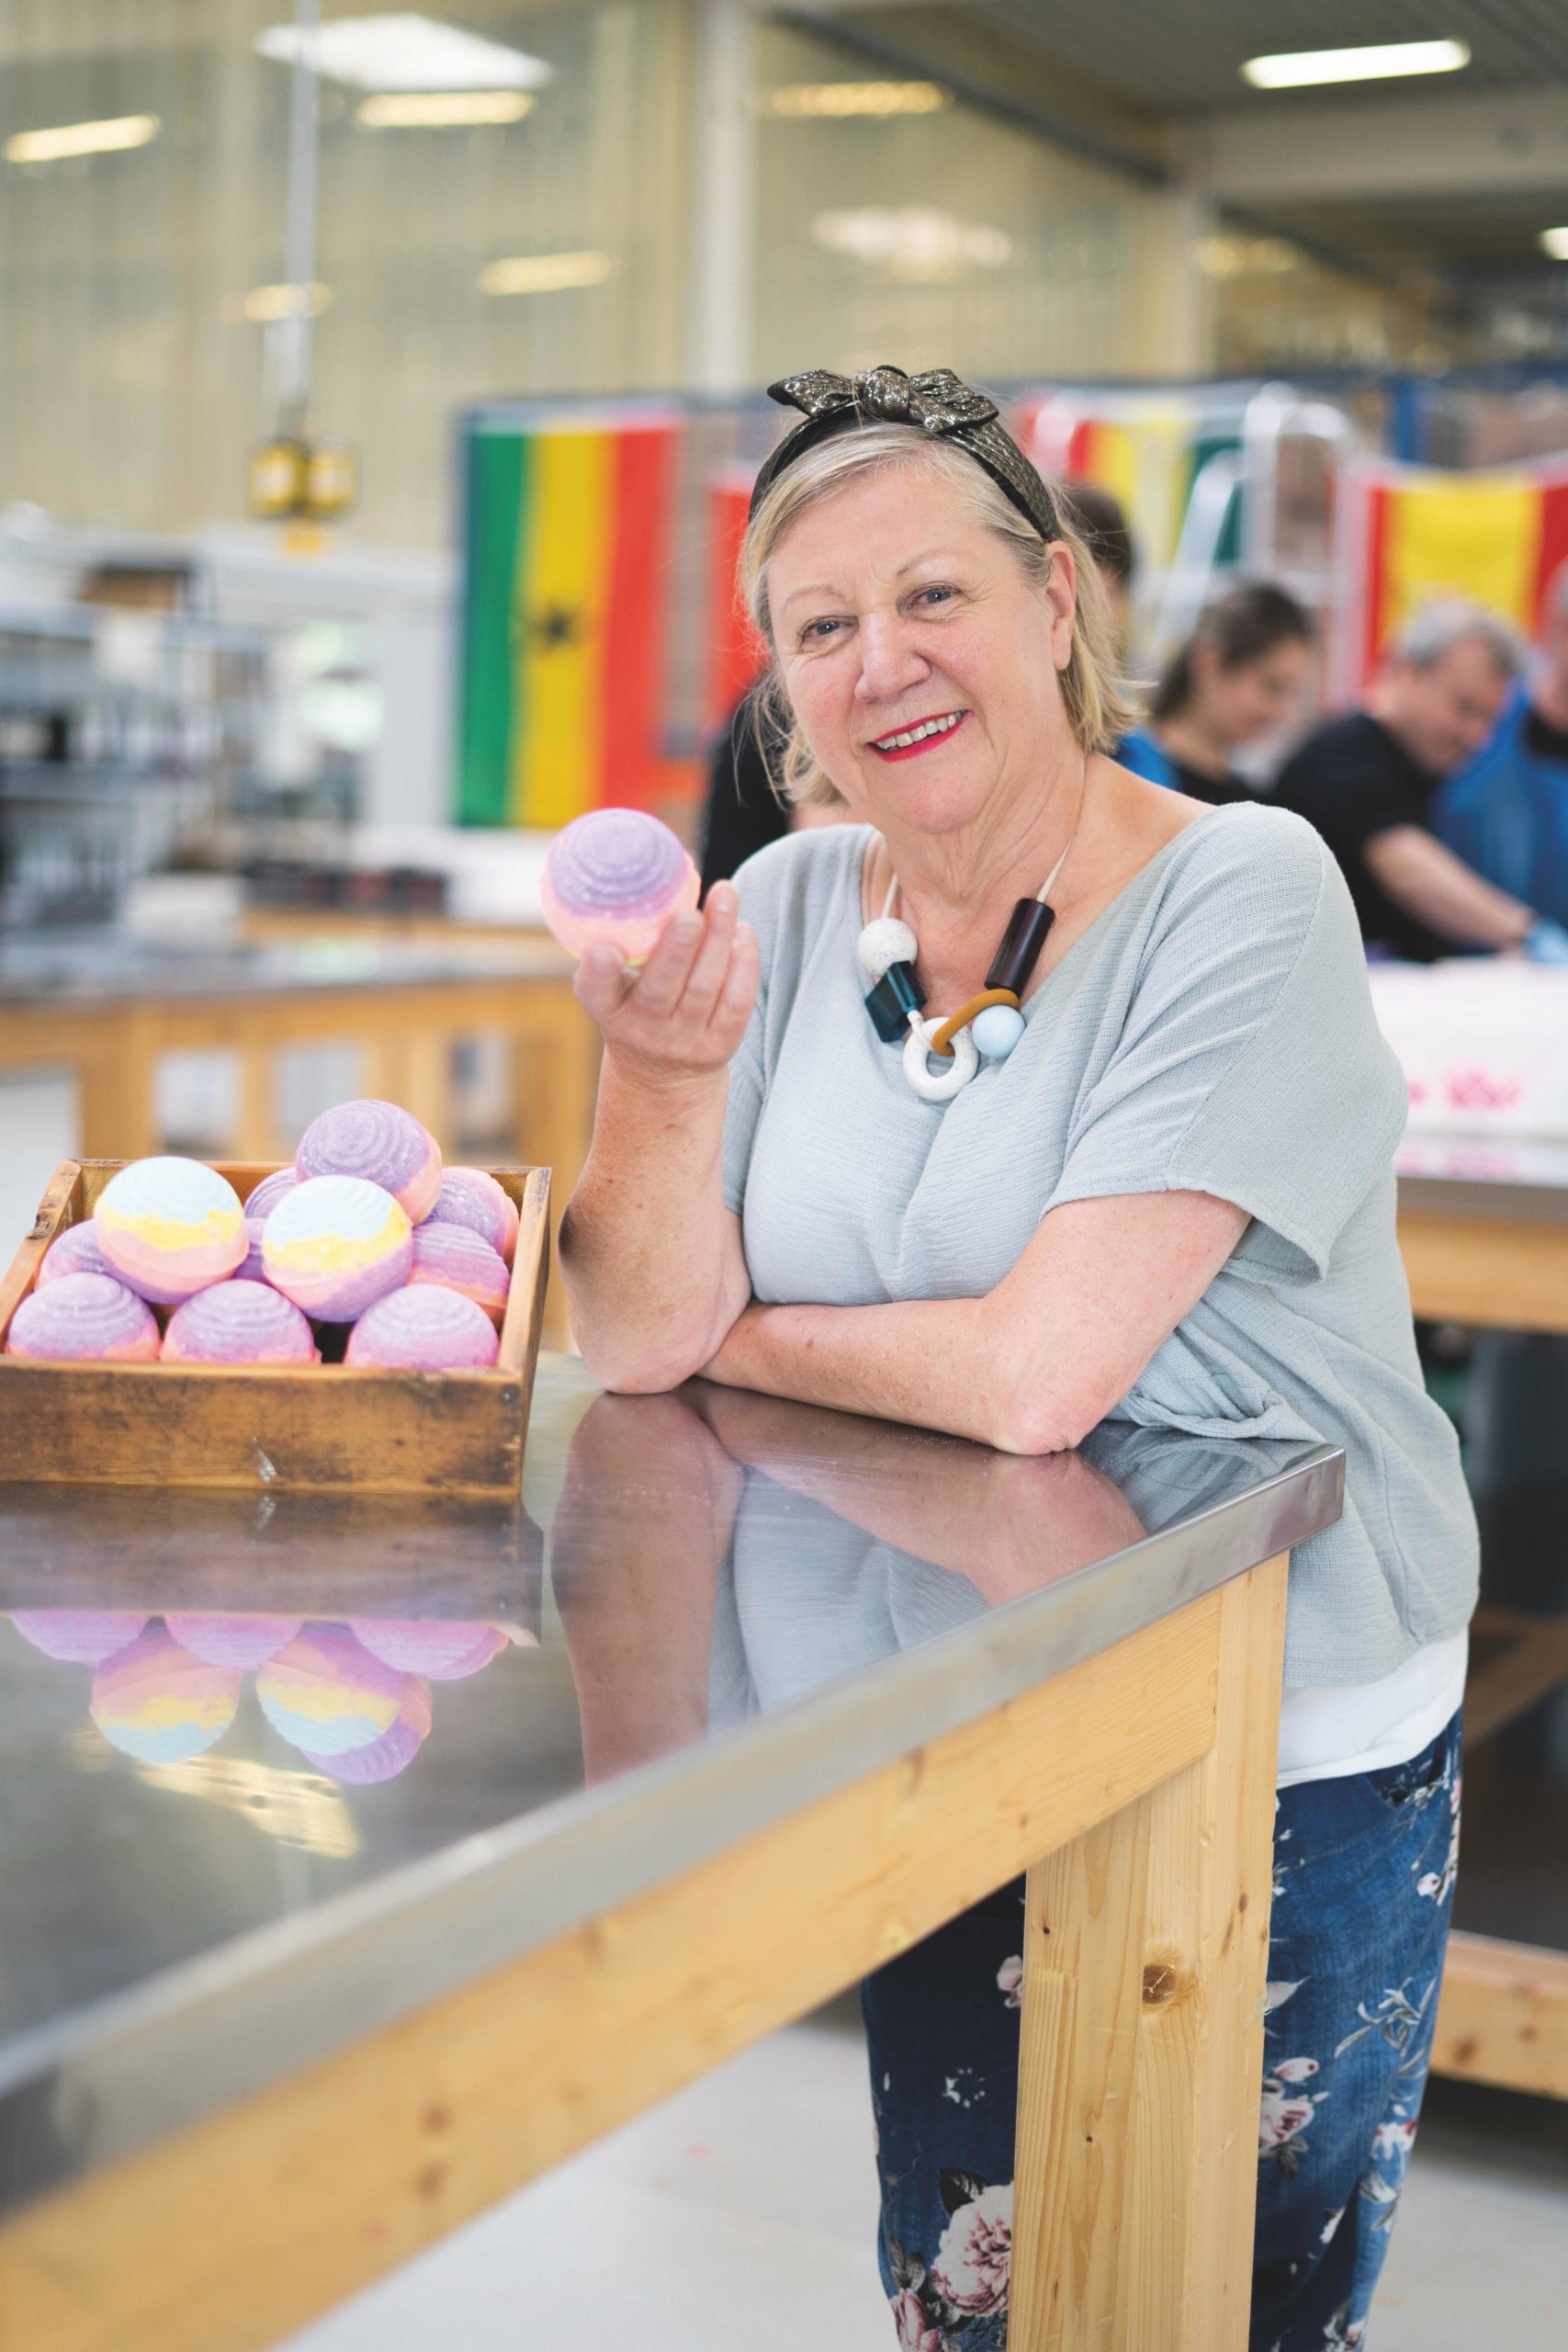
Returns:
<point x="1326" y="1734"/>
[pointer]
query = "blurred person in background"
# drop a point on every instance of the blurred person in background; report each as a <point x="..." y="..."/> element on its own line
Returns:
<point x="1368" y="782"/>
<point x="1103" y="527"/>
<point x="1236" y="680"/>
<point x="1505" y="813"/>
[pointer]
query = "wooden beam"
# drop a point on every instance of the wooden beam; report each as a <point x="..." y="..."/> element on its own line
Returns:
<point x="1496" y="1272"/>
<point x="1503" y="2016"/>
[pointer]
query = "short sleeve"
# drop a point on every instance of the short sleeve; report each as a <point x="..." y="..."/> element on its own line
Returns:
<point x="1250" y="1065"/>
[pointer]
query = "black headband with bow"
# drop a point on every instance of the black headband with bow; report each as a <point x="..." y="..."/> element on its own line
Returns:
<point x="938" y="402"/>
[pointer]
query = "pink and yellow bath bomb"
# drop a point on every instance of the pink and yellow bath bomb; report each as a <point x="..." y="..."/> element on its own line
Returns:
<point x="379" y="1142"/>
<point x="79" y="1636"/>
<point x="269" y="1192"/>
<point x="170" y="1227"/>
<point x="385" y="1758"/>
<point x="246" y="1642"/>
<point x="155" y="1701"/>
<point x="327" y="1695"/>
<point x="471" y="1196"/>
<point x="446" y="1649"/>
<point x="335" y="1244"/>
<point x="84" y="1319"/>
<point x="77" y="1250"/>
<point x="430" y="1328"/>
<point x="455" y="1256"/>
<point x="239" y="1322"/>
<point x="615" y="876"/>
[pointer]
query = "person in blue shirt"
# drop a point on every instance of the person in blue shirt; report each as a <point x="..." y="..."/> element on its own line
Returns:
<point x="1236" y="680"/>
<point x="1506" y="811"/>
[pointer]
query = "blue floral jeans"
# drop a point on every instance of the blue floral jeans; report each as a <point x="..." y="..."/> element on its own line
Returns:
<point x="1363" y="1888"/>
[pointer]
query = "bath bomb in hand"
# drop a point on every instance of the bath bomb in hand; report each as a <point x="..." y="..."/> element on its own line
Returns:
<point x="379" y="1142"/>
<point x="75" y="1251"/>
<point x="269" y="1192"/>
<point x="615" y="876"/>
<point x="84" y="1319"/>
<point x="428" y="1329"/>
<point x="155" y="1701"/>
<point x="239" y="1322"/>
<point x="82" y="1636"/>
<point x="456" y="1256"/>
<point x="170" y="1227"/>
<point x="471" y="1196"/>
<point x="335" y="1244"/>
<point x="443" y="1648"/>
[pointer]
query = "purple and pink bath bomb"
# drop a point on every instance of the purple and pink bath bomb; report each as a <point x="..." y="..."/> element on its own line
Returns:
<point x="616" y="878"/>
<point x="254" y="1267"/>
<point x="239" y="1322"/>
<point x="454" y="1256"/>
<point x="234" y="1641"/>
<point x="379" y="1142"/>
<point x="75" y="1251"/>
<point x="443" y="1649"/>
<point x="266" y="1196"/>
<point x="169" y="1228"/>
<point x="84" y="1319"/>
<point x="79" y="1636"/>
<point x="335" y="1245"/>
<point x="471" y="1196"/>
<point x="426" y="1327"/>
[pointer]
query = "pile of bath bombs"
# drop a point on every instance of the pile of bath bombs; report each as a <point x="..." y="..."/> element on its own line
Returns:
<point x="366" y="1238"/>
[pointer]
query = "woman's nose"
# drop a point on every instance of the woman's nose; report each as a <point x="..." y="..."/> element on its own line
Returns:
<point x="890" y="659"/>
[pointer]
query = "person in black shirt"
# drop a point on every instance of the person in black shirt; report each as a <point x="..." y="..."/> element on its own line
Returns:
<point x="1367" y="783"/>
<point x="1236" y="680"/>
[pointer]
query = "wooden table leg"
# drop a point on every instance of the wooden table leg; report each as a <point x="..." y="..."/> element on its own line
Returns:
<point x="118" y="1110"/>
<point x="1144" y="1960"/>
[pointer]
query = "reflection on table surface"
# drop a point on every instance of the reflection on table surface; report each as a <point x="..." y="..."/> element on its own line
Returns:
<point x="220" y="1710"/>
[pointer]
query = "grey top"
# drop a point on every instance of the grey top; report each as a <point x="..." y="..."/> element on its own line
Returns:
<point x="1212" y="1031"/>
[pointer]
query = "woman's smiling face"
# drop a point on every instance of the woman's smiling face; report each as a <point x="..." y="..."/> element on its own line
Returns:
<point x="921" y="663"/>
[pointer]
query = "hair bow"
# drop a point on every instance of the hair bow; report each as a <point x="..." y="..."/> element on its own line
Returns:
<point x="937" y="400"/>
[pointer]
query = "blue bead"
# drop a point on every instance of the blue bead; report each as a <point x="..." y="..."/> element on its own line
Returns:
<point x="997" y="1031"/>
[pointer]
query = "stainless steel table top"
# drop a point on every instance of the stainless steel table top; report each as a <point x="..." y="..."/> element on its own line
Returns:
<point x="275" y="1771"/>
<point x="41" y="973"/>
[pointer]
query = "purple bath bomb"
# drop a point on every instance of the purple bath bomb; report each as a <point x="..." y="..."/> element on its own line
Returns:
<point x="377" y="1141"/>
<point x="616" y="877"/>
<point x="255" y="1267"/>
<point x="245" y="1642"/>
<point x="424" y="1328"/>
<point x="75" y="1251"/>
<point x="79" y="1636"/>
<point x="392" y="1753"/>
<point x="84" y="1318"/>
<point x="239" y="1322"/>
<point x="446" y="1649"/>
<point x="335" y="1245"/>
<point x="457" y="1257"/>
<point x="471" y="1196"/>
<point x="269" y="1192"/>
<point x="168" y="1226"/>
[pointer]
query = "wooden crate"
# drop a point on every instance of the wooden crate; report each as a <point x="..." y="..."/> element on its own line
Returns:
<point x="272" y="1427"/>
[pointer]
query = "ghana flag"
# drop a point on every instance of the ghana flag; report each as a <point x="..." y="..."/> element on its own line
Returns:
<point x="566" y="601"/>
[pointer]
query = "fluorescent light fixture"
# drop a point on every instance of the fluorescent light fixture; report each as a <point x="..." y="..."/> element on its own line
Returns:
<point x="1381" y="62"/>
<point x="913" y="242"/>
<point x="544" y="273"/>
<point x="267" y="303"/>
<point x="405" y="52"/>
<point x="82" y="139"/>
<point x="1554" y="243"/>
<point x="839" y="100"/>
<point x="442" y="109"/>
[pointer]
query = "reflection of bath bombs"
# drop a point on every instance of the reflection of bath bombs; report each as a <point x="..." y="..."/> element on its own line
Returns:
<point x="234" y="1641"/>
<point x="85" y="1636"/>
<point x="84" y="1318"/>
<point x="385" y="1758"/>
<point x="170" y="1227"/>
<point x="239" y="1322"/>
<point x="377" y="1141"/>
<point x="77" y="1250"/>
<point x="336" y="1243"/>
<point x="430" y="1328"/>
<point x="269" y="1192"/>
<point x="455" y="1255"/>
<point x="326" y="1694"/>
<point x="155" y="1701"/>
<point x="471" y="1196"/>
<point x="445" y="1648"/>
<point x="616" y="875"/>
<point x="254" y="1268"/>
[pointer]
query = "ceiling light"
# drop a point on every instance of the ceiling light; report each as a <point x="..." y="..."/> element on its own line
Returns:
<point x="81" y="139"/>
<point x="1381" y="62"/>
<point x="1554" y="242"/>
<point x="544" y="273"/>
<point x="914" y="242"/>
<point x="841" y="99"/>
<point x="404" y="52"/>
<point x="266" y="303"/>
<point x="442" y="109"/>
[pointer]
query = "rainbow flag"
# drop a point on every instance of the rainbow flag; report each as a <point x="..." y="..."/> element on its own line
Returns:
<point x="1415" y="534"/>
<point x="1147" y="454"/>
<point x="566" y="603"/>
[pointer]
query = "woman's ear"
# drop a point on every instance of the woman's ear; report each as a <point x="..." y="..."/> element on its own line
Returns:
<point x="1061" y="594"/>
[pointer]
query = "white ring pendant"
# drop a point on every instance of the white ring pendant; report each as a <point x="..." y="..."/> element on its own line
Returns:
<point x="937" y="1086"/>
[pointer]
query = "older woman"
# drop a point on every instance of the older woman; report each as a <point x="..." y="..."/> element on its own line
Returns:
<point x="1042" y="1094"/>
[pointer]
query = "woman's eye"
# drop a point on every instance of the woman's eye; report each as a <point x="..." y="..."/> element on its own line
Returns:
<point x="932" y="596"/>
<point x="817" y="632"/>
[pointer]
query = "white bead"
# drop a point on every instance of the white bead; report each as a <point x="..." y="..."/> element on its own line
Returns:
<point x="997" y="1031"/>
<point x="933" y="1085"/>
<point x="886" y="941"/>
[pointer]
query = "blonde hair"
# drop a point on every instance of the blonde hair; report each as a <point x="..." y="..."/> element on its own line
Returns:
<point x="1097" y="712"/>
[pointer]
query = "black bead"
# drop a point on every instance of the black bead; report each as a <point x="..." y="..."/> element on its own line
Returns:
<point x="1024" y="937"/>
<point x="896" y="994"/>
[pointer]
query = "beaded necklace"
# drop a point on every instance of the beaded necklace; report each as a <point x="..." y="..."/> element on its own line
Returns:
<point x="989" y="1024"/>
